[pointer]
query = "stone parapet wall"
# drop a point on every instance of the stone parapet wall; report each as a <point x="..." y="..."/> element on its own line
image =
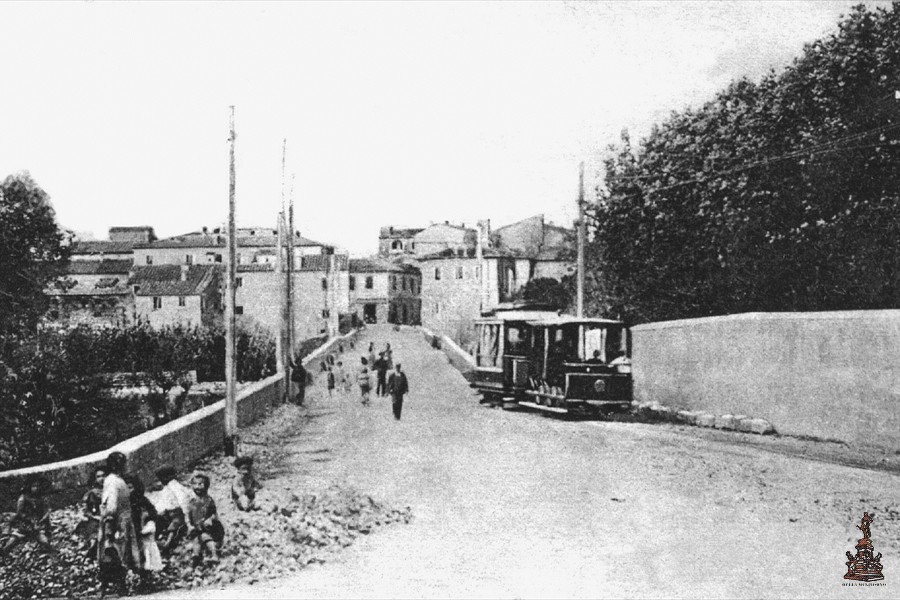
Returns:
<point x="831" y="375"/>
<point x="180" y="443"/>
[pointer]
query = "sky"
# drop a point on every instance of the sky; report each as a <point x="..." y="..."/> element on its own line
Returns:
<point x="394" y="113"/>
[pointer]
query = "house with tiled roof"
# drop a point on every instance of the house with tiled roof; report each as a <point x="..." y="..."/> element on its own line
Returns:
<point x="92" y="292"/>
<point x="385" y="291"/>
<point x="393" y="241"/>
<point x="177" y="294"/>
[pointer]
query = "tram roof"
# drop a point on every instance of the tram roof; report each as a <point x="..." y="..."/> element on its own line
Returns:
<point x="518" y="315"/>
<point x="570" y="320"/>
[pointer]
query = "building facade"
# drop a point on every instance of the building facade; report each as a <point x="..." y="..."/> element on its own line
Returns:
<point x="166" y="295"/>
<point x="382" y="291"/>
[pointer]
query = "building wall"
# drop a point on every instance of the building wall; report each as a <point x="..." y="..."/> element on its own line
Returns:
<point x="260" y="296"/>
<point x="405" y="298"/>
<point x="553" y="269"/>
<point x="831" y="374"/>
<point x="95" y="311"/>
<point x="378" y="295"/>
<point x="170" y="313"/>
<point x="450" y="305"/>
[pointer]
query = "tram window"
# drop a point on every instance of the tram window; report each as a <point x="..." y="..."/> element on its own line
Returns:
<point x="516" y="340"/>
<point x="488" y="345"/>
<point x="594" y="341"/>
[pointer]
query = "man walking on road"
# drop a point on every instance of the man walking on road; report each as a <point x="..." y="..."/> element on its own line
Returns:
<point x="362" y="378"/>
<point x="397" y="387"/>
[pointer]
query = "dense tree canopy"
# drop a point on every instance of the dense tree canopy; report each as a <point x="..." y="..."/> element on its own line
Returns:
<point x="33" y="252"/>
<point x="776" y="195"/>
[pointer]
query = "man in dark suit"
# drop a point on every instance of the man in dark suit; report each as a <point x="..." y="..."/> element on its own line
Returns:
<point x="397" y="387"/>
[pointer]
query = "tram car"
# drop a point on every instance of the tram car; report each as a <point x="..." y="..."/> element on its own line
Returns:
<point x="578" y="366"/>
<point x="502" y="361"/>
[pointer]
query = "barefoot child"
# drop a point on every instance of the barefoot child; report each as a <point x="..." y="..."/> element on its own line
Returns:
<point x="204" y="528"/>
<point x="245" y="485"/>
<point x="90" y="526"/>
<point x="32" y="518"/>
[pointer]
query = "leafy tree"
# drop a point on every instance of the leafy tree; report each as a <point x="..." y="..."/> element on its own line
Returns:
<point x="545" y="290"/>
<point x="776" y="195"/>
<point x="33" y="252"/>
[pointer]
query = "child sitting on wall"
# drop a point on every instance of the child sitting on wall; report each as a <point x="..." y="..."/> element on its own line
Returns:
<point x="205" y="529"/>
<point x="172" y="505"/>
<point x="32" y="518"/>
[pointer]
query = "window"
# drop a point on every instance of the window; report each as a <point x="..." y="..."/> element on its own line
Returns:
<point x="370" y="283"/>
<point x="487" y="350"/>
<point x="157" y="302"/>
<point x="460" y="252"/>
<point x="437" y="273"/>
<point x="324" y="283"/>
<point x="404" y="283"/>
<point x="181" y="301"/>
<point x="459" y="272"/>
<point x="326" y="313"/>
<point x="238" y="282"/>
<point x="352" y="283"/>
<point x="238" y="310"/>
<point x="393" y="283"/>
<point x="218" y="258"/>
<point x="149" y="259"/>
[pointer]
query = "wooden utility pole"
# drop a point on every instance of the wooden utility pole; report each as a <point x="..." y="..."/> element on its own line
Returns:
<point x="579" y="307"/>
<point x="287" y="317"/>
<point x="291" y="268"/>
<point x="231" y="424"/>
<point x="279" y="332"/>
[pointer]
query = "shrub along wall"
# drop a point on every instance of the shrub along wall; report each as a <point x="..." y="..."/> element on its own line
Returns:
<point x="179" y="443"/>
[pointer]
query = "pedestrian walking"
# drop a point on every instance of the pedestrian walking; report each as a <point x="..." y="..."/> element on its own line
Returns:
<point x="299" y="377"/>
<point x="381" y="369"/>
<point x="331" y="382"/>
<point x="362" y="378"/>
<point x="388" y="356"/>
<point x="398" y="386"/>
<point x="371" y="356"/>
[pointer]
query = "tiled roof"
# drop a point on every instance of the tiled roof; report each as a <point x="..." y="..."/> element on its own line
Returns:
<point x="99" y="267"/>
<point x="102" y="247"/>
<point x="108" y="286"/>
<point x="165" y="280"/>
<point x="217" y="240"/>
<point x="375" y="265"/>
<point x="399" y="233"/>
<point x="317" y="262"/>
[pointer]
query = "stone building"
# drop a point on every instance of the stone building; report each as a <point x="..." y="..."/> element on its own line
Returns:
<point x="177" y="294"/>
<point x="457" y="287"/>
<point x="394" y="241"/>
<point x="382" y="291"/>
<point x="119" y="246"/>
<point x="320" y="294"/>
<point x="92" y="292"/>
<point x="444" y="236"/>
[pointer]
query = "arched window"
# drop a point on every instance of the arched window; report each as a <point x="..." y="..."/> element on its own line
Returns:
<point x="397" y="245"/>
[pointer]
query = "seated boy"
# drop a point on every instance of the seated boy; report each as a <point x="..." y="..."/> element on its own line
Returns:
<point x="245" y="485"/>
<point x="205" y="529"/>
<point x="172" y="505"/>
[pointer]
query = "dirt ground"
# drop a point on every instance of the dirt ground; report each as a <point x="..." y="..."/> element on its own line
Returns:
<point x="517" y="505"/>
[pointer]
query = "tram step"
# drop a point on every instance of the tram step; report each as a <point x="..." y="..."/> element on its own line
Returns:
<point x="552" y="409"/>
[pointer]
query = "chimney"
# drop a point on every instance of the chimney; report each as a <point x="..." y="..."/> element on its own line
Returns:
<point x="205" y="230"/>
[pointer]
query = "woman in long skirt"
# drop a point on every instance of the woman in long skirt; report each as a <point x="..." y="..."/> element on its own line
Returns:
<point x="118" y="547"/>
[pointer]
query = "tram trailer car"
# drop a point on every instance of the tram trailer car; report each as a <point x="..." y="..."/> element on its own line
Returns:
<point x="502" y="361"/>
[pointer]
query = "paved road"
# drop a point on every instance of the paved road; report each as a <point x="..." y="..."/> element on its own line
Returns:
<point x="518" y="505"/>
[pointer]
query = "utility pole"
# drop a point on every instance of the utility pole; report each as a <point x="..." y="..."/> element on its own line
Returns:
<point x="287" y="268"/>
<point x="291" y="268"/>
<point x="231" y="424"/>
<point x="579" y="309"/>
<point x="279" y="332"/>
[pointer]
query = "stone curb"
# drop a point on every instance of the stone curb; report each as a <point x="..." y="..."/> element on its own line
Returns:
<point x="741" y="423"/>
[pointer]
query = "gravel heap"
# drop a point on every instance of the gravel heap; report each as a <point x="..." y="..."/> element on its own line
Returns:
<point x="304" y="529"/>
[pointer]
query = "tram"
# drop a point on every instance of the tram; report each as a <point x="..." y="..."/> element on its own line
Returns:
<point x="577" y="366"/>
<point x="502" y="361"/>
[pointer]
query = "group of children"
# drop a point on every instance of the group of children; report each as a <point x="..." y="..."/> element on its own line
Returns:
<point x="337" y="378"/>
<point x="124" y="530"/>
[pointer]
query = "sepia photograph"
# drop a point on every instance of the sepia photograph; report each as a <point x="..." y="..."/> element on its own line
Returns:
<point x="434" y="299"/>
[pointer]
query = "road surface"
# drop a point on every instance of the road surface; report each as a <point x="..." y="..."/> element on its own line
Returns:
<point x="517" y="505"/>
